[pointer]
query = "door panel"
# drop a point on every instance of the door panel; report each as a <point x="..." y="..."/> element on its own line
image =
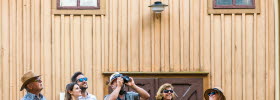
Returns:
<point x="186" y="88"/>
<point x="148" y="84"/>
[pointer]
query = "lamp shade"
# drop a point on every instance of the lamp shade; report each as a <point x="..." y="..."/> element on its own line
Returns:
<point x="158" y="7"/>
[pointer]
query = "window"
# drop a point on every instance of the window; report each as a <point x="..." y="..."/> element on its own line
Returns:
<point x="234" y="3"/>
<point x="78" y="4"/>
<point x="233" y="6"/>
<point x="79" y="7"/>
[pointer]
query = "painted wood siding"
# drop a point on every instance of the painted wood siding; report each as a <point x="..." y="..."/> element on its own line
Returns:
<point x="237" y="49"/>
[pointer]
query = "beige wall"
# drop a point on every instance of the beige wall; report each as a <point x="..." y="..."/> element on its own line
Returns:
<point x="237" y="49"/>
<point x="277" y="45"/>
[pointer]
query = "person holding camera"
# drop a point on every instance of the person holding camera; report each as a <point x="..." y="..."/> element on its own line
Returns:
<point x="118" y="82"/>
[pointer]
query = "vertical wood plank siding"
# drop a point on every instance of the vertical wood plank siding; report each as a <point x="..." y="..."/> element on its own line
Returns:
<point x="236" y="49"/>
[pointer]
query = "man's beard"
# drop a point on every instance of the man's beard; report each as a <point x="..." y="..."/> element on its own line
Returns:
<point x="37" y="90"/>
<point x="41" y="89"/>
<point x="83" y="88"/>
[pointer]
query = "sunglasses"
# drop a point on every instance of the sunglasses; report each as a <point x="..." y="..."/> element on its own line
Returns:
<point x="211" y="93"/>
<point x="167" y="91"/>
<point x="38" y="80"/>
<point x="82" y="79"/>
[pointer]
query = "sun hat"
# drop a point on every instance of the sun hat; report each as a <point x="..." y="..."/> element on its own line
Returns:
<point x="218" y="89"/>
<point x="28" y="78"/>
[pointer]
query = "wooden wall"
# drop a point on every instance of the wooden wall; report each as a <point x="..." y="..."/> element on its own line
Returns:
<point x="236" y="49"/>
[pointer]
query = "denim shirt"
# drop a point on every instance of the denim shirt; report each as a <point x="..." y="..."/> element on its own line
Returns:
<point x="30" y="96"/>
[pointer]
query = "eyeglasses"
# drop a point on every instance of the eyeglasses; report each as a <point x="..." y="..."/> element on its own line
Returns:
<point x="211" y="93"/>
<point x="38" y="80"/>
<point x="167" y="91"/>
<point x="82" y="79"/>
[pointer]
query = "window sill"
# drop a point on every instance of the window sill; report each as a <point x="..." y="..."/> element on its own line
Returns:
<point x="79" y="12"/>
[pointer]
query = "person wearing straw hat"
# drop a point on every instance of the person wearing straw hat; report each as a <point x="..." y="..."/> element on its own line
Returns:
<point x="118" y="82"/>
<point x="33" y="85"/>
<point x="214" y="94"/>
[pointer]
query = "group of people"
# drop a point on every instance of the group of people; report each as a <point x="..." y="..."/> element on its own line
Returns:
<point x="77" y="89"/>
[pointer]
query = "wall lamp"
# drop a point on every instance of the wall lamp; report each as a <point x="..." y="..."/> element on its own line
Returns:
<point x="158" y="7"/>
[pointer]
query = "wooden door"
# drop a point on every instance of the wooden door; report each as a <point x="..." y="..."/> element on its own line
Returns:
<point x="185" y="88"/>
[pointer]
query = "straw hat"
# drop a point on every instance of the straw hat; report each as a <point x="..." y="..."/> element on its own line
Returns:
<point x="218" y="89"/>
<point x="27" y="78"/>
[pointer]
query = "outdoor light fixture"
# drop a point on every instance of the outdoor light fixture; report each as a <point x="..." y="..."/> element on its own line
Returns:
<point x="158" y="7"/>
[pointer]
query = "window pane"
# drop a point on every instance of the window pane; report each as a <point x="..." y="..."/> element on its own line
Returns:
<point x="243" y="2"/>
<point x="88" y="3"/>
<point x="68" y="2"/>
<point x="223" y="2"/>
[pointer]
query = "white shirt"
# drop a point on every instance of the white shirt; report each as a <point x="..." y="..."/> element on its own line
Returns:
<point x="88" y="97"/>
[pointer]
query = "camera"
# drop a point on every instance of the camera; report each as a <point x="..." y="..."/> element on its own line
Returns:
<point x="126" y="79"/>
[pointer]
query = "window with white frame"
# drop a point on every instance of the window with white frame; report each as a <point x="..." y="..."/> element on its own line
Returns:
<point x="244" y="4"/>
<point x="78" y="4"/>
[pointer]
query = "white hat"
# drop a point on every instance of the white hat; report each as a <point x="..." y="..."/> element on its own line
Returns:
<point x="114" y="76"/>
